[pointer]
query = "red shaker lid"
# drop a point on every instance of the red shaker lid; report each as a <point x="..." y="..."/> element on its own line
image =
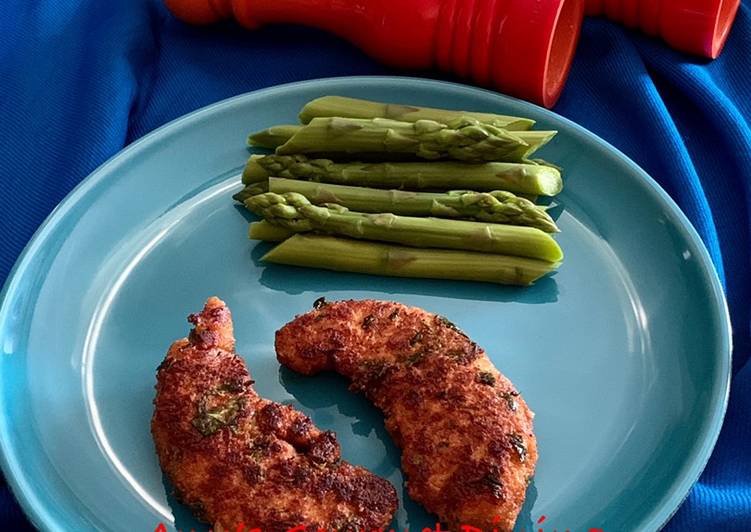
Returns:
<point x="695" y="26"/>
<point x="533" y="47"/>
<point x="521" y="47"/>
<point x="699" y="27"/>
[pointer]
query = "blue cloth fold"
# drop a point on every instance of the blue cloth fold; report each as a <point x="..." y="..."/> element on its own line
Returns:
<point x="81" y="79"/>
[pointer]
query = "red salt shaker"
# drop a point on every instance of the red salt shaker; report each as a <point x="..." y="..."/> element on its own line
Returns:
<point x="698" y="27"/>
<point x="520" y="47"/>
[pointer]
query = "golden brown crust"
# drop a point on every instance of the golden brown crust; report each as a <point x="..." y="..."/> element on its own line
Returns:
<point x="235" y="457"/>
<point x="466" y="433"/>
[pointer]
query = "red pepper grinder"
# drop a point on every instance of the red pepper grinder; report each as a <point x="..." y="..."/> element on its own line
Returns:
<point x="698" y="27"/>
<point x="521" y="47"/>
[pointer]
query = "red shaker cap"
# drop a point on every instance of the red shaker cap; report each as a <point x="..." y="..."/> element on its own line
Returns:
<point x="535" y="47"/>
<point x="699" y="27"/>
<point x="695" y="26"/>
<point x="522" y="47"/>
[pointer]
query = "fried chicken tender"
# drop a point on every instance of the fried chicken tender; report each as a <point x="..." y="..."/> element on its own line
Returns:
<point x="466" y="433"/>
<point x="235" y="457"/>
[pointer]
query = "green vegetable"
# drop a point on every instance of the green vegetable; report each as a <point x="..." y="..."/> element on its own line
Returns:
<point x="294" y="211"/>
<point x="218" y="408"/>
<point x="251" y="190"/>
<point x="535" y="140"/>
<point x="497" y="206"/>
<point x="462" y="139"/>
<point x="462" y="214"/>
<point x="253" y="172"/>
<point x="486" y="377"/>
<point x="273" y="136"/>
<point x="268" y="232"/>
<point x="329" y="106"/>
<point x="510" y="398"/>
<point x="243" y="194"/>
<point x="277" y="136"/>
<point x="518" y="178"/>
<point x="341" y="254"/>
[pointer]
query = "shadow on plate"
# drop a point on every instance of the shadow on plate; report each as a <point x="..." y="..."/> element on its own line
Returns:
<point x="524" y="522"/>
<point x="184" y="519"/>
<point x="249" y="216"/>
<point x="307" y="391"/>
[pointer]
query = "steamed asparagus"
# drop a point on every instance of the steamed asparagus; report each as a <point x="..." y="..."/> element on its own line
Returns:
<point x="293" y="211"/>
<point x="276" y="136"/>
<point x="497" y="206"/>
<point x="518" y="178"/>
<point x="329" y="106"/>
<point x="462" y="139"/>
<point x="341" y="254"/>
<point x="269" y="232"/>
<point x="273" y="136"/>
<point x="251" y="190"/>
<point x="465" y="140"/>
<point x="253" y="172"/>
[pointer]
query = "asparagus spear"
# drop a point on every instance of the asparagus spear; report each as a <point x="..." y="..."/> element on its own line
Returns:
<point x="294" y="211"/>
<point x="356" y="108"/>
<point x="243" y="194"/>
<point x="253" y="172"/>
<point x="535" y="140"/>
<point x="462" y="139"/>
<point x="341" y="254"/>
<point x="251" y="190"/>
<point x="498" y="206"/>
<point x="273" y="136"/>
<point x="518" y="145"/>
<point x="269" y="232"/>
<point x="519" y="178"/>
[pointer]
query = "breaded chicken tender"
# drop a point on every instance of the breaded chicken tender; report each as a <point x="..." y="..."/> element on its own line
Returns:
<point x="465" y="432"/>
<point x="235" y="457"/>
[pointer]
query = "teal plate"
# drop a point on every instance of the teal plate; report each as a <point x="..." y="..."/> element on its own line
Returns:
<point x="624" y="354"/>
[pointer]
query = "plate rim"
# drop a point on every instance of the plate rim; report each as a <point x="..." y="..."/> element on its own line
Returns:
<point x="38" y="512"/>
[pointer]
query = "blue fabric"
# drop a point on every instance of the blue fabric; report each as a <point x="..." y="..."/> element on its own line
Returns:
<point x="81" y="79"/>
